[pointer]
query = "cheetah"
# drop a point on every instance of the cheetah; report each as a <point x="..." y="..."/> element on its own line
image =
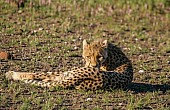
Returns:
<point x="106" y="67"/>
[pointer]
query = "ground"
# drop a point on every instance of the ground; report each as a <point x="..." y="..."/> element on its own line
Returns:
<point x="49" y="38"/>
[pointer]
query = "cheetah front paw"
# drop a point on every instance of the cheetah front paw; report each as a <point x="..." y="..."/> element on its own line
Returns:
<point x="12" y="75"/>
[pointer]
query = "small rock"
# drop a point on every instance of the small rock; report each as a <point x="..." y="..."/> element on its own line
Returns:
<point x="74" y="40"/>
<point x="40" y="29"/>
<point x="49" y="56"/>
<point x="168" y="62"/>
<point x="89" y="99"/>
<point x="20" y="11"/>
<point x="75" y="48"/>
<point x="4" y="55"/>
<point x="35" y="31"/>
<point x="120" y="104"/>
<point x="141" y="71"/>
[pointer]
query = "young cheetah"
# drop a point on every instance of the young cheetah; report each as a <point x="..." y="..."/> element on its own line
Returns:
<point x="106" y="67"/>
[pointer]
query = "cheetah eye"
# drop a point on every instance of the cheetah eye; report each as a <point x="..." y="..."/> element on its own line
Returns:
<point x="88" y="57"/>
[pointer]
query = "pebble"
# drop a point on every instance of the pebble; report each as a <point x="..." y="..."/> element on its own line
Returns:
<point x="141" y="71"/>
<point x="89" y="99"/>
<point x="4" y="55"/>
<point x="168" y="62"/>
<point x="75" y="48"/>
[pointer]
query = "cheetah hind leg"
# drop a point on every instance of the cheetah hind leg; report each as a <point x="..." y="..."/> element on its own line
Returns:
<point x="37" y="79"/>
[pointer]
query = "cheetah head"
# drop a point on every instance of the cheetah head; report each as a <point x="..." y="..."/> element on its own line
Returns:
<point x="95" y="53"/>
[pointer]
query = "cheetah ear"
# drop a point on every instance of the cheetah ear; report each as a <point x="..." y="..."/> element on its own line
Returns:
<point x="85" y="44"/>
<point x="105" y="43"/>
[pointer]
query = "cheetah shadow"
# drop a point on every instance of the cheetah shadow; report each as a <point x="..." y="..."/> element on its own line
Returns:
<point x="143" y="87"/>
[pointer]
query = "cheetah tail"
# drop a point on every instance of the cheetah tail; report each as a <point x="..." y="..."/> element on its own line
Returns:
<point x="40" y="83"/>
